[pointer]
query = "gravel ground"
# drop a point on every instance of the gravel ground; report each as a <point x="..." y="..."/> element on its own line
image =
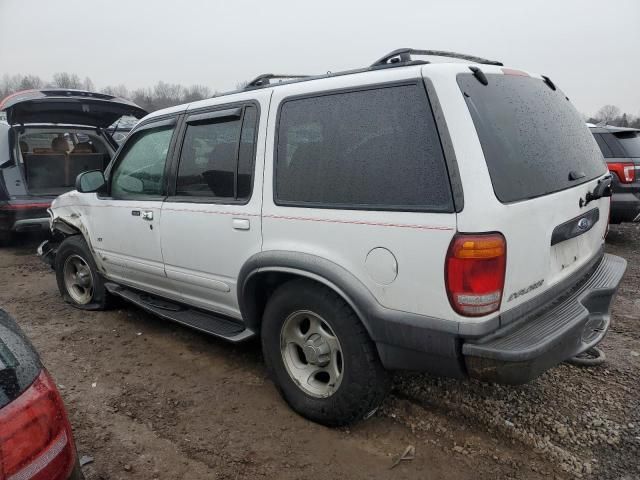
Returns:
<point x="152" y="400"/>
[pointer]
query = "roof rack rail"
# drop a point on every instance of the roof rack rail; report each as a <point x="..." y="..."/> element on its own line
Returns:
<point x="265" y="79"/>
<point x="403" y="56"/>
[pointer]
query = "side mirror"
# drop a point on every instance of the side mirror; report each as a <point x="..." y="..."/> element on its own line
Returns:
<point x="90" y="181"/>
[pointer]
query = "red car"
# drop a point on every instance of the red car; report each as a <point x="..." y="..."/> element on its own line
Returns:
<point x="36" y="442"/>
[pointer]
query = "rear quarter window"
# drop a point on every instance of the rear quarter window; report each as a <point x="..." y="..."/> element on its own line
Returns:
<point x="367" y="149"/>
<point x="630" y="142"/>
<point x="531" y="136"/>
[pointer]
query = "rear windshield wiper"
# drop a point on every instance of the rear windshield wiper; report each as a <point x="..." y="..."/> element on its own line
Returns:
<point x="575" y="175"/>
<point x="603" y="189"/>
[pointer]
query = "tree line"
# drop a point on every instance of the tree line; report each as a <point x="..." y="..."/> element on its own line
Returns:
<point x="612" y="115"/>
<point x="163" y="95"/>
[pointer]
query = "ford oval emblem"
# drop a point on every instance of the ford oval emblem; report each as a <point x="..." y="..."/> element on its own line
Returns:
<point x="584" y="224"/>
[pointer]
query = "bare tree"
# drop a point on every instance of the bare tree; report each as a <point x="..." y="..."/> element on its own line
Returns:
<point x="195" y="93"/>
<point x="145" y="98"/>
<point x="66" y="80"/>
<point x="608" y="114"/>
<point x="117" y="91"/>
<point x="88" y="84"/>
<point x="31" y="81"/>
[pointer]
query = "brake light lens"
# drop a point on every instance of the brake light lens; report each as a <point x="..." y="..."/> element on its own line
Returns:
<point x="24" y="206"/>
<point x="35" y="436"/>
<point x="474" y="272"/>
<point x="626" y="172"/>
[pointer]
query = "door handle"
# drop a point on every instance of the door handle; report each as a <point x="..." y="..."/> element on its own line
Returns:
<point x="241" y="224"/>
<point x="147" y="215"/>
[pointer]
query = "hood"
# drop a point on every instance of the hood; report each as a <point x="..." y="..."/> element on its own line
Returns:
<point x="19" y="363"/>
<point x="64" y="106"/>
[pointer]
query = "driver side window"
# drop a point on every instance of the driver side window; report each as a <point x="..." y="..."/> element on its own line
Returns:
<point x="141" y="169"/>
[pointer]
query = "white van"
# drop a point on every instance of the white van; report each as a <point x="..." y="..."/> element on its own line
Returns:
<point x="444" y="217"/>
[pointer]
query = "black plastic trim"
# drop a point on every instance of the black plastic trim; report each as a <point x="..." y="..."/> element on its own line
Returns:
<point x="230" y="113"/>
<point x="572" y="228"/>
<point x="404" y="55"/>
<point x="479" y="74"/>
<point x="447" y="146"/>
<point x="517" y="353"/>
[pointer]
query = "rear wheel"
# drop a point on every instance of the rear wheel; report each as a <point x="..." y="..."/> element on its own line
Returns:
<point x="77" y="275"/>
<point x="320" y="355"/>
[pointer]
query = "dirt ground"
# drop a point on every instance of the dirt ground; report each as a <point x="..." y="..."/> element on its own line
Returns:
<point x="150" y="399"/>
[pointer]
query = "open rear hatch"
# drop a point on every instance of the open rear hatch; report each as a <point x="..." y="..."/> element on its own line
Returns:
<point x="64" y="106"/>
<point x="49" y="170"/>
<point x="550" y="177"/>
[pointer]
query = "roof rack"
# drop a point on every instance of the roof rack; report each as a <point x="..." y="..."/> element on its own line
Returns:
<point x="403" y="55"/>
<point x="266" y="79"/>
<point x="400" y="57"/>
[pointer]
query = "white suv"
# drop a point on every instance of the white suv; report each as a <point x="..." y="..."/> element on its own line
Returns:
<point x="445" y="217"/>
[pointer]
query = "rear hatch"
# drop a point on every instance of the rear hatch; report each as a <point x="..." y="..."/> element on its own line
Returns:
<point x="542" y="162"/>
<point x="64" y="106"/>
<point x="42" y="170"/>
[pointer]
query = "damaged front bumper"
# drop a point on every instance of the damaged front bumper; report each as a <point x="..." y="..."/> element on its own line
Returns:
<point x="47" y="252"/>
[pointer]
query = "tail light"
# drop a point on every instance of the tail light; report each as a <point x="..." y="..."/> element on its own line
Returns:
<point x="24" y="206"/>
<point x="474" y="272"/>
<point x="626" y="172"/>
<point x="35" y="435"/>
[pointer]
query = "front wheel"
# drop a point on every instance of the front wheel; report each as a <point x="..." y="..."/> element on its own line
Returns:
<point x="78" y="279"/>
<point x="320" y="355"/>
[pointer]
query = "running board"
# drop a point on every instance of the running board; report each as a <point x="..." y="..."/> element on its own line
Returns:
<point x="210" y="323"/>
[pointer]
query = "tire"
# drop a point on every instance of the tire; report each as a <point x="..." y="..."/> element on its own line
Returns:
<point x="74" y="251"/>
<point x="362" y="382"/>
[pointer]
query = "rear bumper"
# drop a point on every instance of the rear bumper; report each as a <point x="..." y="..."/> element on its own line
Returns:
<point x="514" y="347"/>
<point x="24" y="216"/>
<point x="569" y="325"/>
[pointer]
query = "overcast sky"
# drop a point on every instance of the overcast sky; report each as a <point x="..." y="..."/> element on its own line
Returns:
<point x="591" y="49"/>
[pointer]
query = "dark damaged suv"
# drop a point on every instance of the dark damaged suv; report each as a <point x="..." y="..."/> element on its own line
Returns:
<point x="621" y="149"/>
<point x="50" y="136"/>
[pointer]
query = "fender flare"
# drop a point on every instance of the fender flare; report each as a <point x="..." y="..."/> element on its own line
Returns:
<point x="319" y="269"/>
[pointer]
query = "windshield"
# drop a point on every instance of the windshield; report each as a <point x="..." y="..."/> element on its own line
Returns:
<point x="531" y="136"/>
<point x="630" y="142"/>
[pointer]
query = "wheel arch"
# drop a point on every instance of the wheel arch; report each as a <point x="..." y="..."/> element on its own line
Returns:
<point x="265" y="271"/>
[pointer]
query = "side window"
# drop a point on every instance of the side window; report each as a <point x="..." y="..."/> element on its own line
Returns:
<point x="140" y="170"/>
<point x="376" y="148"/>
<point x="616" y="149"/>
<point x="217" y="157"/>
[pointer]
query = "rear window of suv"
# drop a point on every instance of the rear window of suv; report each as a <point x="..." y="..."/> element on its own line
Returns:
<point x="531" y="136"/>
<point x="623" y="144"/>
<point x="373" y="149"/>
